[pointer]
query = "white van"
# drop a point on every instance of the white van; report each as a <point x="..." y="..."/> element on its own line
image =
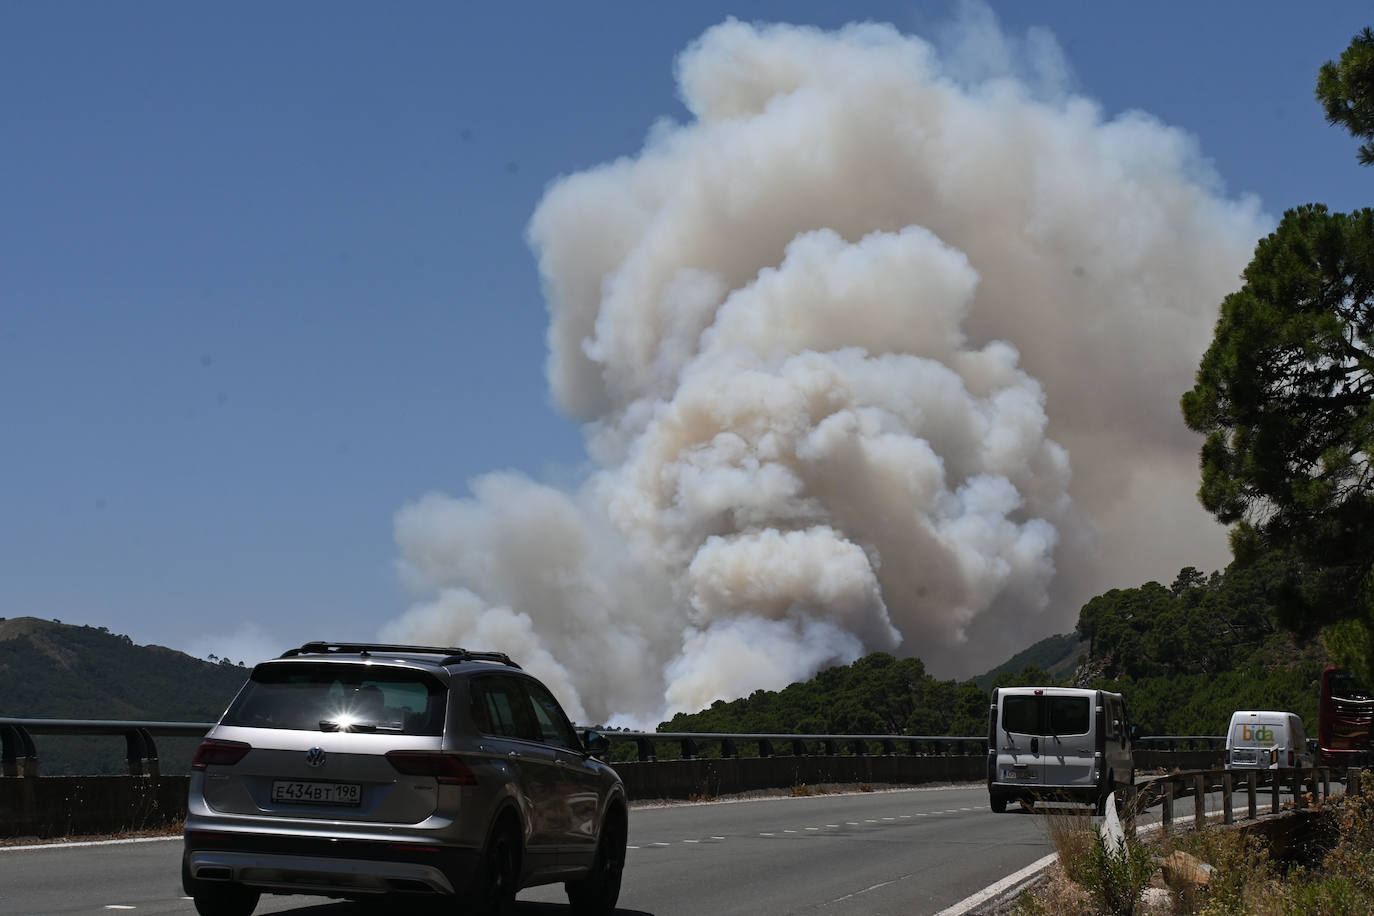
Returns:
<point x="1266" y="740"/>
<point x="1057" y="743"/>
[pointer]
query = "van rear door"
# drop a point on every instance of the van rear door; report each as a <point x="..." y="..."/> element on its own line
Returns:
<point x="1070" y="743"/>
<point x="1020" y="740"/>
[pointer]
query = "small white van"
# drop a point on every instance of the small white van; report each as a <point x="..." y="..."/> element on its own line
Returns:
<point x="1266" y="740"/>
<point x="1057" y="743"/>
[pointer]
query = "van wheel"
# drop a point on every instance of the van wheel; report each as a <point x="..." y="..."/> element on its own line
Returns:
<point x="998" y="803"/>
<point x="1101" y="808"/>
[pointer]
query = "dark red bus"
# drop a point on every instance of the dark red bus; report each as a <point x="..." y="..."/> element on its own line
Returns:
<point x="1345" y="717"/>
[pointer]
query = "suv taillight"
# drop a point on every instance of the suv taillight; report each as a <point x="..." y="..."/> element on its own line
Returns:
<point x="446" y="768"/>
<point x="214" y="752"/>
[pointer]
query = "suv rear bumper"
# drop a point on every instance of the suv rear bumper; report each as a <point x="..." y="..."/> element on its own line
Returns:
<point x="331" y="868"/>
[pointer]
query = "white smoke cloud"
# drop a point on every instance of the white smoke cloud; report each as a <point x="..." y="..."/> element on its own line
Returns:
<point x="837" y="342"/>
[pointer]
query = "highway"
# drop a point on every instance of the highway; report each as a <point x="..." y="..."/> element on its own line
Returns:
<point x="912" y="851"/>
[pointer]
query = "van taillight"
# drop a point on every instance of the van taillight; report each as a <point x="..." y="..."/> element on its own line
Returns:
<point x="446" y="768"/>
<point x="213" y="752"/>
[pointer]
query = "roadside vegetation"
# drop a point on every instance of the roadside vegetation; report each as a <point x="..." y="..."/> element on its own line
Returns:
<point x="1216" y="871"/>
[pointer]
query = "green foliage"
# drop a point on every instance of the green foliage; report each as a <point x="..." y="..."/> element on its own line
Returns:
<point x="1118" y="873"/>
<point x="58" y="671"/>
<point x="1346" y="91"/>
<point x="1285" y="397"/>
<point x="876" y="695"/>
<point x="1187" y="656"/>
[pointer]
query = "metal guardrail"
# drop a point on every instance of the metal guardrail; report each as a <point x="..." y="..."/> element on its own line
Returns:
<point x="1164" y="790"/>
<point x="19" y="754"/>
<point x="690" y="744"/>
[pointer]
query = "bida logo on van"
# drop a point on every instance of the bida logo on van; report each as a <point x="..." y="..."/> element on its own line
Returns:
<point x="1260" y="734"/>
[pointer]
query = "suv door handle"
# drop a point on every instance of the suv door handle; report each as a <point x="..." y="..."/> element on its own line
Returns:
<point x="514" y="755"/>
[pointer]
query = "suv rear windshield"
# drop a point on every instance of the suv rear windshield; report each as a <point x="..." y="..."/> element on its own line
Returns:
<point x="340" y="697"/>
<point x="1046" y="715"/>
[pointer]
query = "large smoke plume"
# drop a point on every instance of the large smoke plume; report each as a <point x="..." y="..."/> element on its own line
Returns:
<point x="881" y="350"/>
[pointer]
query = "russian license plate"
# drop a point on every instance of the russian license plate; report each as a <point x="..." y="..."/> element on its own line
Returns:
<point x="318" y="793"/>
<point x="1018" y="773"/>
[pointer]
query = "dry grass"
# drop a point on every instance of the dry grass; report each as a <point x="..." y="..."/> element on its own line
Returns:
<point x="146" y="833"/>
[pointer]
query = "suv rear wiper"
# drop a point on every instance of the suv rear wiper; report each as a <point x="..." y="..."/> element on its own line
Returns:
<point x="332" y="725"/>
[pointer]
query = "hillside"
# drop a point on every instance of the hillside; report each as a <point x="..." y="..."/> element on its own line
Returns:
<point x="60" y="671"/>
<point x="1185" y="656"/>
<point x="1058" y="656"/>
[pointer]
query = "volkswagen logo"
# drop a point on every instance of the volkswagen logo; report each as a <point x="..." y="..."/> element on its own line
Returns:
<point x="315" y="756"/>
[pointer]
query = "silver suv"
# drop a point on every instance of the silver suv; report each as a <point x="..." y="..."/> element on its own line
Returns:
<point x="400" y="772"/>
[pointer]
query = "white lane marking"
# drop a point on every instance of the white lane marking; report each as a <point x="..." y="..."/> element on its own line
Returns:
<point x="813" y="828"/>
<point x="627" y="847"/>
<point x="767" y="834"/>
<point x="872" y="888"/>
<point x="717" y="837"/>
<point x="889" y="818"/>
<point x="852" y="823"/>
<point x="993" y="890"/>
<point x="119" y="906"/>
<point x="832" y="825"/>
<point x="691" y="841"/>
<point x="905" y="816"/>
<point x="141" y="839"/>
<point x="789" y="831"/>
<point x="660" y="844"/>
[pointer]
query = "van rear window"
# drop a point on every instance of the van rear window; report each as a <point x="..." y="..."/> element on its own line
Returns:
<point x="1046" y="715"/>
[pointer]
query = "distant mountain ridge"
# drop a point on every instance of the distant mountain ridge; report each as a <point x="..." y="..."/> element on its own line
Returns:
<point x="53" y="670"/>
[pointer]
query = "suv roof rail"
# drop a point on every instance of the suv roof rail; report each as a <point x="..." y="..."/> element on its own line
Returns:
<point x="452" y="655"/>
<point x="463" y="655"/>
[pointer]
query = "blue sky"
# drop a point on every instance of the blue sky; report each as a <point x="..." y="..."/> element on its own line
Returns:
<point x="264" y="278"/>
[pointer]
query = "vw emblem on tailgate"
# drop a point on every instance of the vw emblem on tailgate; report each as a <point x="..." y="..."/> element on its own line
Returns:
<point x="315" y="756"/>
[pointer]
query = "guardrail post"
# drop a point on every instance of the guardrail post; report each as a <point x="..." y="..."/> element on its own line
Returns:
<point x="1326" y="783"/>
<point x="1299" y="801"/>
<point x="18" y="756"/>
<point x="1227" y="817"/>
<point x="1352" y="781"/>
<point x="765" y="747"/>
<point x="142" y="752"/>
<point x="689" y="749"/>
<point x="799" y="749"/>
<point x="889" y="747"/>
<point x="645" y="749"/>
<point x="1274" y="791"/>
<point x="1167" y="808"/>
<point x="728" y="748"/>
<point x="832" y="747"/>
<point x="1199" y="801"/>
<point x="860" y="748"/>
<point x="1251" y="779"/>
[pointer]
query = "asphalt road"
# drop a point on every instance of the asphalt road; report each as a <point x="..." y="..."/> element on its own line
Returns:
<point x="906" y="851"/>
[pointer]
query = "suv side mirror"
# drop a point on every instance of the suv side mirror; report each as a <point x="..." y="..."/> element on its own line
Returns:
<point x="596" y="744"/>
